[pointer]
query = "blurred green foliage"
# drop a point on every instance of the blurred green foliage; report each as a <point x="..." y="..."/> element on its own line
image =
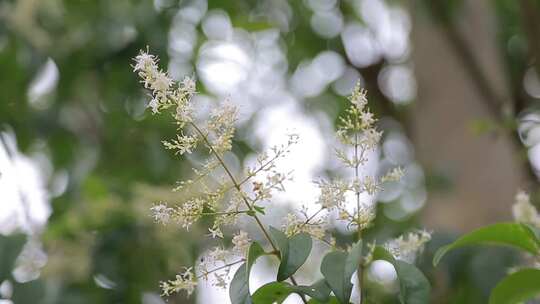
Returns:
<point x="94" y="128"/>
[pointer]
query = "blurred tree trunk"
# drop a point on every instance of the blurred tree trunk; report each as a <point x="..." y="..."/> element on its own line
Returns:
<point x="483" y="169"/>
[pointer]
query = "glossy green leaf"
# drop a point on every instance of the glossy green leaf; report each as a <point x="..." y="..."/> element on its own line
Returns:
<point x="337" y="268"/>
<point x="239" y="289"/>
<point x="10" y="248"/>
<point x="414" y="287"/>
<point x="509" y="234"/>
<point x="299" y="250"/>
<point x="333" y="270"/>
<point x="319" y="290"/>
<point x="277" y="292"/>
<point x="332" y="300"/>
<point x="254" y="252"/>
<point x="293" y="251"/>
<point x="354" y="258"/>
<point x="517" y="287"/>
<point x="280" y="239"/>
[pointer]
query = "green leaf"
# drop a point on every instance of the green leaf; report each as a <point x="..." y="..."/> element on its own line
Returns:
<point x="254" y="252"/>
<point x="338" y="267"/>
<point x="414" y="287"/>
<point x="293" y="251"/>
<point x="535" y="230"/>
<point x="239" y="289"/>
<point x="277" y="292"/>
<point x="299" y="250"/>
<point x="509" y="234"/>
<point x="281" y="241"/>
<point x="354" y="258"/>
<point x="10" y="248"/>
<point x="29" y="292"/>
<point x="517" y="287"/>
<point x="259" y="209"/>
<point x="333" y="270"/>
<point x="332" y="300"/>
<point x="319" y="290"/>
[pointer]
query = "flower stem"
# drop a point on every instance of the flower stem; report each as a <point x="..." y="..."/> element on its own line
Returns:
<point x="359" y="271"/>
<point x="225" y="213"/>
<point x="206" y="273"/>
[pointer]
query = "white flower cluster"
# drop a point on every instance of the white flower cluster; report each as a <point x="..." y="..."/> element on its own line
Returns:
<point x="211" y="192"/>
<point x="407" y="248"/>
<point x="294" y="224"/>
<point x="241" y="242"/>
<point x="225" y="195"/>
<point x="183" y="281"/>
<point x="359" y="136"/>
<point x="161" y="213"/>
<point x="524" y="211"/>
<point x="333" y="193"/>
<point x="185" y="214"/>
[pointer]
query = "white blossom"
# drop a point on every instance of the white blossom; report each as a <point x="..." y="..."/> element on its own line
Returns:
<point x="295" y="225"/>
<point x="189" y="212"/>
<point x="365" y="216"/>
<point x="161" y="213"/>
<point x="183" y="281"/>
<point x="524" y="211"/>
<point x="215" y="232"/>
<point x="221" y="280"/>
<point x="241" y="242"/>
<point x="332" y="193"/>
<point x="392" y="176"/>
<point x="407" y="248"/>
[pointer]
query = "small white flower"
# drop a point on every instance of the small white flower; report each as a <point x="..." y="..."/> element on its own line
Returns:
<point x="370" y="185"/>
<point x="161" y="82"/>
<point x="524" y="211"/>
<point x="359" y="97"/>
<point x="295" y="225"/>
<point x="367" y="119"/>
<point x="332" y="193"/>
<point x="241" y="242"/>
<point x="154" y="105"/>
<point x="189" y="212"/>
<point x="365" y="216"/>
<point x="183" y="281"/>
<point x="409" y="247"/>
<point x="221" y="281"/>
<point x="218" y="254"/>
<point x="372" y="138"/>
<point x="189" y="84"/>
<point x="215" y="232"/>
<point x="161" y="213"/>
<point x="144" y="62"/>
<point x="394" y="175"/>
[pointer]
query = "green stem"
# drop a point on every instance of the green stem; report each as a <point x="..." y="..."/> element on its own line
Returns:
<point x="359" y="271"/>
<point x="226" y="213"/>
